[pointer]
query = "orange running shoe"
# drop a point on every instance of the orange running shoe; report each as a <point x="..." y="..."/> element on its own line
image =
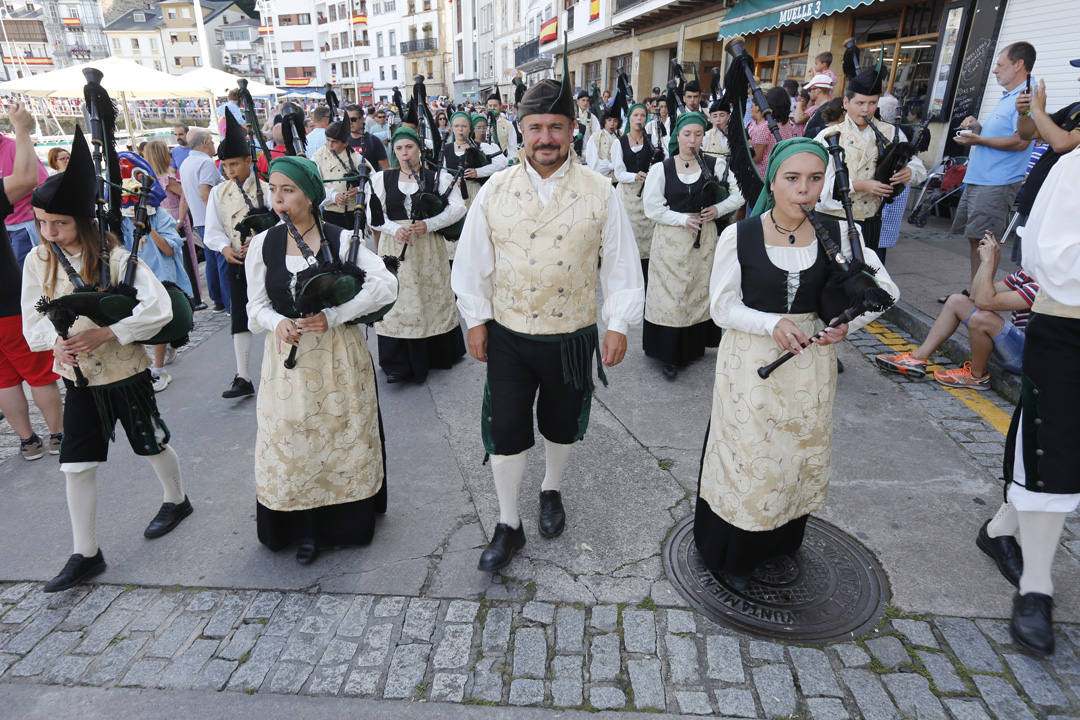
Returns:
<point x="904" y="364"/>
<point x="962" y="378"/>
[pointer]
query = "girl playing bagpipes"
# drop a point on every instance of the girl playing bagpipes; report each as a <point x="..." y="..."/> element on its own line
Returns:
<point x="422" y="331"/>
<point x="481" y="161"/>
<point x="105" y="368"/>
<point x="631" y="158"/>
<point x="766" y="460"/>
<point x="686" y="196"/>
<point x="319" y="460"/>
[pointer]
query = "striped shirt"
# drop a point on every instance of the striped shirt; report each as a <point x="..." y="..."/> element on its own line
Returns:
<point x="1022" y="283"/>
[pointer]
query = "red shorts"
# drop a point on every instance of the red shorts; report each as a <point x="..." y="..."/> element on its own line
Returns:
<point x="18" y="362"/>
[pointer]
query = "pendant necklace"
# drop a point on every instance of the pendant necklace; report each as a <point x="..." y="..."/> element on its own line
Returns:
<point x="790" y="233"/>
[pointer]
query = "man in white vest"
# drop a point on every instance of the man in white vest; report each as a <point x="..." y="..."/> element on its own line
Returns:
<point x="526" y="274"/>
<point x="503" y="129"/>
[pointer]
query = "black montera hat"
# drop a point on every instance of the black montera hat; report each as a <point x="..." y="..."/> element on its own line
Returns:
<point x="337" y="130"/>
<point x="74" y="191"/>
<point x="234" y="144"/>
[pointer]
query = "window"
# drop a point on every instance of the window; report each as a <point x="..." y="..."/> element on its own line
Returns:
<point x="303" y="19"/>
<point x="285" y="20"/>
<point x="198" y="61"/>
<point x="367" y="65"/>
<point x="592" y="74"/>
<point x="780" y="55"/>
<point x="153" y="43"/>
<point x="392" y="44"/>
<point x="185" y="13"/>
<point x="173" y="38"/>
<point x="171" y="14"/>
<point x="393" y="71"/>
<point x="138" y="17"/>
<point x="910" y="39"/>
<point x="333" y="13"/>
<point x="378" y="45"/>
<point x="116" y="44"/>
<point x="334" y="43"/>
<point x="135" y="46"/>
<point x="619" y="61"/>
<point x="176" y="61"/>
<point x="382" y="73"/>
<point x="460" y="56"/>
<point x="157" y="65"/>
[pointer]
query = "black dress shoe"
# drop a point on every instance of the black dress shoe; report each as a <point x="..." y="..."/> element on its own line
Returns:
<point x="392" y="378"/>
<point x="199" y="306"/>
<point x="739" y="583"/>
<point x="218" y="307"/>
<point x="239" y="388"/>
<point x="306" y="553"/>
<point x="1004" y="551"/>
<point x="77" y="570"/>
<point x="1032" y="625"/>
<point x="552" y="515"/>
<point x="505" y="541"/>
<point x="168" y="517"/>
<point x="670" y="372"/>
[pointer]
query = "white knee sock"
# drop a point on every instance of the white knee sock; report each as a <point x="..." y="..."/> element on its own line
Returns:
<point x="82" y="508"/>
<point x="1040" y="533"/>
<point x="508" y="471"/>
<point x="242" y="348"/>
<point x="556" y="456"/>
<point x="1004" y="522"/>
<point x="167" y="466"/>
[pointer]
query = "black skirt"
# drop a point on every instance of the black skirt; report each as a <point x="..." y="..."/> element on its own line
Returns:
<point x="679" y="345"/>
<point x="730" y="550"/>
<point x="351" y="523"/>
<point x="342" y="220"/>
<point x="414" y="358"/>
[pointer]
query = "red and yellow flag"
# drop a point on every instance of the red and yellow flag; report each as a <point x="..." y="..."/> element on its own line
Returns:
<point x="297" y="82"/>
<point x="71" y="22"/>
<point x="549" y="31"/>
<point x="359" y="19"/>
<point x="264" y="29"/>
<point x="594" y="9"/>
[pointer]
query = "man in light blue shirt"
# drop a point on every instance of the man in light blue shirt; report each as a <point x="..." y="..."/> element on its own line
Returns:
<point x="998" y="159"/>
<point x="317" y="137"/>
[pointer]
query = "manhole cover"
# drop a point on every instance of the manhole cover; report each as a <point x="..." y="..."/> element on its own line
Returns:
<point x="834" y="589"/>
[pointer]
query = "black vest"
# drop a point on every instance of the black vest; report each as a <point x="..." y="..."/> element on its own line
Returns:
<point x="579" y="141"/>
<point x="680" y="196"/>
<point x="764" y="286"/>
<point x="395" y="199"/>
<point x="279" y="281"/>
<point x="451" y="160"/>
<point x="636" y="162"/>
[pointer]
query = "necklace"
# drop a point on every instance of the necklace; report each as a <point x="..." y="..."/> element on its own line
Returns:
<point x="781" y="230"/>
<point x="685" y="162"/>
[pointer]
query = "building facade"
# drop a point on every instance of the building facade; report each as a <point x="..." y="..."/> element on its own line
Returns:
<point x="466" y="68"/>
<point x="344" y="44"/>
<point x="136" y="36"/>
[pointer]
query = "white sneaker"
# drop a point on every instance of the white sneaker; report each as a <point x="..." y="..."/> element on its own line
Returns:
<point x="160" y="381"/>
<point x="170" y="355"/>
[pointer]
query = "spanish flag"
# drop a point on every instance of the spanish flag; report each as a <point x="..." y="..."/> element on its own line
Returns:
<point x="594" y="9"/>
<point x="549" y="31"/>
<point x="264" y="29"/>
<point x="297" y="82"/>
<point x="359" y="19"/>
<point x="71" y="22"/>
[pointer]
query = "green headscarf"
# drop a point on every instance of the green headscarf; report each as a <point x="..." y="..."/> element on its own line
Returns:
<point x="402" y="132"/>
<point x="630" y="112"/>
<point x="477" y="118"/>
<point x="687" y="118"/>
<point x="463" y="114"/>
<point x="781" y="152"/>
<point x="304" y="173"/>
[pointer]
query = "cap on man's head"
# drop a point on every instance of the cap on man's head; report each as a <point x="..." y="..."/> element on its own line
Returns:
<point x="819" y="81"/>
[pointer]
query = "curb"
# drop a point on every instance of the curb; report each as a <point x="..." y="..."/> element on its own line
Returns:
<point x="917" y="324"/>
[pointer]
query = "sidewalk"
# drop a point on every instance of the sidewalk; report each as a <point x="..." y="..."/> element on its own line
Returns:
<point x="928" y="263"/>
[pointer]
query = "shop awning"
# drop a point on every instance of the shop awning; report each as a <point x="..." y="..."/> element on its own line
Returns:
<point x="754" y="16"/>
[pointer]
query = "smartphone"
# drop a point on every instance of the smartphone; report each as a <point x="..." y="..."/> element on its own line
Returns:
<point x="1029" y="84"/>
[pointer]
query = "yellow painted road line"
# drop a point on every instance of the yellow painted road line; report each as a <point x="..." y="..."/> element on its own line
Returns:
<point x="973" y="399"/>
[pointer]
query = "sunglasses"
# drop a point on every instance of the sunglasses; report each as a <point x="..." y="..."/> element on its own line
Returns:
<point x="353" y="118"/>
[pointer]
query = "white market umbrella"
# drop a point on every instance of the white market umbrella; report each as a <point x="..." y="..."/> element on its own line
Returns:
<point x="122" y="77"/>
<point x="220" y="82"/>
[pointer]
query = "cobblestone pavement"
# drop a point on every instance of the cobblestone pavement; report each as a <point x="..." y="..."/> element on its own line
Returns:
<point x="207" y="323"/>
<point x="522" y="653"/>
<point x="975" y="420"/>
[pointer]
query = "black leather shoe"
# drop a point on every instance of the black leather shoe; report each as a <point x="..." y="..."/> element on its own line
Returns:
<point x="168" y="517"/>
<point x="239" y="388"/>
<point x="505" y="541"/>
<point x="392" y="378"/>
<point x="552" y="515"/>
<point x="1004" y="551"/>
<point x="839" y="366"/>
<point x="199" y="306"/>
<point x="306" y="553"/>
<point x="78" y="569"/>
<point x="1032" y="625"/>
<point x="670" y="372"/>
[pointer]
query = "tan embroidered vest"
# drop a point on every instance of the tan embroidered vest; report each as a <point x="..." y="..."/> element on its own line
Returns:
<point x="505" y="131"/>
<point x="232" y="208"/>
<point x="110" y="362"/>
<point x="715" y="143"/>
<point x="861" y="158"/>
<point x="330" y="168"/>
<point x="546" y="255"/>
<point x="603" y="149"/>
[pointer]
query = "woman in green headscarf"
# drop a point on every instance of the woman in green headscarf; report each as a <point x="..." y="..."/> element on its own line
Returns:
<point x="423" y="330"/>
<point x="765" y="466"/>
<point x="319" y="461"/>
<point x="631" y="157"/>
<point x="481" y="160"/>
<point x="687" y="214"/>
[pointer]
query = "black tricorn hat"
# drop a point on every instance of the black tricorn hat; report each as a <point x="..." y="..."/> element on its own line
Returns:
<point x="721" y="104"/>
<point x="550" y="97"/>
<point x="692" y="86"/>
<point x="234" y="144"/>
<point x="337" y="130"/>
<point x="74" y="191"/>
<point x="495" y="94"/>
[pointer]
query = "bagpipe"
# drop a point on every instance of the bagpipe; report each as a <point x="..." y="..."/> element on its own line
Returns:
<point x="851" y="289"/>
<point x="259" y="216"/>
<point x="427" y="202"/>
<point x="331" y="101"/>
<point x="326" y="282"/>
<point x="713" y="191"/>
<point x="108" y="302"/>
<point x="894" y="155"/>
<point x="473" y="159"/>
<point x="675" y="89"/>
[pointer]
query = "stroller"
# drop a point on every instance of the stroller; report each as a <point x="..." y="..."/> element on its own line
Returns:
<point x="942" y="188"/>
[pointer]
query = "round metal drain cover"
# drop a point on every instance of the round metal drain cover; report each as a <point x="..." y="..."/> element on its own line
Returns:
<point x="833" y="589"/>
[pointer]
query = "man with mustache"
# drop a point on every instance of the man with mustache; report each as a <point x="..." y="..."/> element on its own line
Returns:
<point x="525" y="275"/>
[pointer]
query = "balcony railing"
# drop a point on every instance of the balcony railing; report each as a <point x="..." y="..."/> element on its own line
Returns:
<point x="526" y="52"/>
<point x="420" y="45"/>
